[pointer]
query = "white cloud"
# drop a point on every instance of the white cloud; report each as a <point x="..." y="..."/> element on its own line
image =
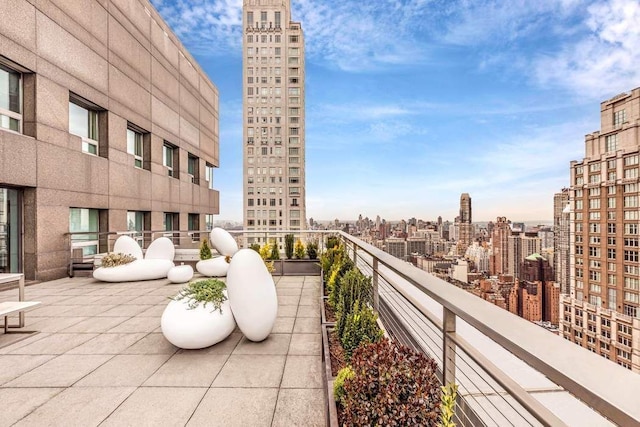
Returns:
<point x="606" y="60"/>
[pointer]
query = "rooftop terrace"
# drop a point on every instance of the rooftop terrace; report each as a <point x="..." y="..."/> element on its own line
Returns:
<point x="100" y="358"/>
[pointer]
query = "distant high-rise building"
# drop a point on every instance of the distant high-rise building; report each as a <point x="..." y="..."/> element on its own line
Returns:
<point x="274" y="117"/>
<point x="561" y="239"/>
<point x="499" y="258"/>
<point x="601" y="312"/>
<point x="466" y="228"/>
<point x="520" y="246"/>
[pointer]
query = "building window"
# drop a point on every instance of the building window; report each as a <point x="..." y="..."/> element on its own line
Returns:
<point x="170" y="159"/>
<point x="193" y="169"/>
<point x="84" y="221"/>
<point x="137" y="223"/>
<point x="135" y="146"/>
<point x="611" y="142"/>
<point x="193" y="224"/>
<point x="619" y="117"/>
<point x="208" y="222"/>
<point x="83" y="122"/>
<point x="10" y="99"/>
<point x="208" y="175"/>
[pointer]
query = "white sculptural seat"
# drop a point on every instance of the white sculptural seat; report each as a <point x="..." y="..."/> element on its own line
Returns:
<point x="155" y="265"/>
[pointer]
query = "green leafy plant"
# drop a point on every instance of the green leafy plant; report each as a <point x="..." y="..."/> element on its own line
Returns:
<point x="298" y="250"/>
<point x="351" y="287"/>
<point x="360" y="328"/>
<point x="275" y="252"/>
<point x="115" y="259"/>
<point x="255" y="247"/>
<point x="330" y="257"/>
<point x="338" y="384"/>
<point x="288" y="245"/>
<point x="265" y="253"/>
<point x="332" y="242"/>
<point x="205" y="249"/>
<point x="392" y="385"/>
<point x="208" y="291"/>
<point x="448" y="405"/>
<point x="312" y="249"/>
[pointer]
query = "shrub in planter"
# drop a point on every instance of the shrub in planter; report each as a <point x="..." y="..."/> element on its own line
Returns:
<point x="332" y="242"/>
<point x="339" y="269"/>
<point x="312" y="249"/>
<point x="360" y="328"/>
<point x="353" y="286"/>
<point x="115" y="259"/>
<point x="288" y="245"/>
<point x="255" y="247"/>
<point x="298" y="250"/>
<point x="275" y="252"/>
<point x="338" y="383"/>
<point x="205" y="249"/>
<point x="265" y="253"/>
<point x="208" y="291"/>
<point x="448" y="405"/>
<point x="392" y="385"/>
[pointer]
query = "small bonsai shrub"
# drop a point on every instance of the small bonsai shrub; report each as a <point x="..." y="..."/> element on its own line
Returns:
<point x="448" y="405"/>
<point x="208" y="291"/>
<point x="360" y="328"/>
<point x="255" y="247"/>
<point x="288" y="245"/>
<point x="298" y="250"/>
<point x="392" y="385"/>
<point x="205" y="249"/>
<point x="312" y="249"/>
<point x="275" y="252"/>
<point x="338" y="383"/>
<point x="332" y="242"/>
<point x="115" y="259"/>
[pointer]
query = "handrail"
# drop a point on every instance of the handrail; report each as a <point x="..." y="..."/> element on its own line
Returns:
<point x="587" y="376"/>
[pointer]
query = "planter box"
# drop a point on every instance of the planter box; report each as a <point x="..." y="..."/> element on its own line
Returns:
<point x="332" y="410"/>
<point x="323" y="303"/>
<point x="296" y="267"/>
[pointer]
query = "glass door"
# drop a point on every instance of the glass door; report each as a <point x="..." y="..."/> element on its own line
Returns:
<point x="10" y="230"/>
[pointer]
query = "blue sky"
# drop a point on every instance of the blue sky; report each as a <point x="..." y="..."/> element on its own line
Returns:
<point x="412" y="102"/>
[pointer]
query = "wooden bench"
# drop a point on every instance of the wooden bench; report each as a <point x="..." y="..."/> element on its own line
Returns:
<point x="9" y="307"/>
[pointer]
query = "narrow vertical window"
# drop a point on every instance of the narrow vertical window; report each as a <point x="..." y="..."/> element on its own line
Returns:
<point x="170" y="159"/>
<point x="135" y="147"/>
<point x="10" y="99"/>
<point x="83" y="122"/>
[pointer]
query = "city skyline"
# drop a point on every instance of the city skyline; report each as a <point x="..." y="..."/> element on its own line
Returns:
<point x="396" y="91"/>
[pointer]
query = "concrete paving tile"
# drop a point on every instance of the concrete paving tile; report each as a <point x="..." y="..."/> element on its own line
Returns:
<point x="108" y="344"/>
<point x="308" y="311"/>
<point x="19" y="402"/>
<point x="288" y="291"/>
<point x="96" y="324"/>
<point x="108" y="291"/>
<point x="310" y="301"/>
<point x="156" y="406"/>
<point x="314" y="293"/>
<point x="84" y="300"/>
<point x="14" y="365"/>
<point x="154" y="310"/>
<point x="78" y="407"/>
<point x="236" y="407"/>
<point x="134" y="291"/>
<point x="307" y="325"/>
<point x="124" y="371"/>
<point x="291" y="285"/>
<point x="12" y="342"/>
<point x="137" y="324"/>
<point x="153" y="343"/>
<point x="288" y="299"/>
<point x="283" y="325"/>
<point x="251" y="371"/>
<point x="91" y="310"/>
<point x="287" y="310"/>
<point x="311" y="285"/>
<point x="306" y="345"/>
<point x="115" y="299"/>
<point x="148" y="299"/>
<point x="274" y="344"/>
<point x="225" y="347"/>
<point x="51" y="324"/>
<point x="51" y="310"/>
<point x="62" y="371"/>
<point x="300" y="407"/>
<point x="54" y="344"/>
<point x="302" y="372"/>
<point x="188" y="370"/>
<point x="126" y="310"/>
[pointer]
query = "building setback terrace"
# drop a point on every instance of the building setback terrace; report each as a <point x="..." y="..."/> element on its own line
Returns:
<point x="99" y="358"/>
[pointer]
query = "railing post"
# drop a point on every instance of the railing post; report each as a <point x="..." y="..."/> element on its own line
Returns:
<point x="448" y="347"/>
<point x="355" y="252"/>
<point x="376" y="296"/>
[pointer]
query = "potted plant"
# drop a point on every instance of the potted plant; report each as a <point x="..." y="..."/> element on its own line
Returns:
<point x="198" y="316"/>
<point x="288" y="245"/>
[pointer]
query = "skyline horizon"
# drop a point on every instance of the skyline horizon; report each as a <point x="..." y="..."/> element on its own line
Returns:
<point x="410" y="102"/>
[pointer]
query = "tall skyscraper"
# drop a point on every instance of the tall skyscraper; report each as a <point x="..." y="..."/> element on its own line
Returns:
<point x="466" y="228"/>
<point x="602" y="312"/>
<point x="499" y="258"/>
<point x="273" y="118"/>
<point x="561" y="211"/>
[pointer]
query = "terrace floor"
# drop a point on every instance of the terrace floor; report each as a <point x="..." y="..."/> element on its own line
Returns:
<point x="99" y="358"/>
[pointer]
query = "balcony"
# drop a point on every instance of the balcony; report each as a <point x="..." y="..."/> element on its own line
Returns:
<point x="509" y="371"/>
